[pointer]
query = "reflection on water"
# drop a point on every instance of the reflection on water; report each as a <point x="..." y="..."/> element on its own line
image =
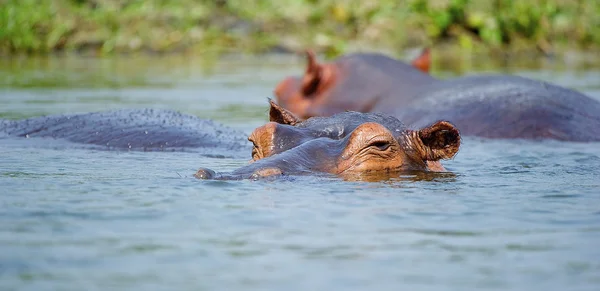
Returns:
<point x="509" y="215"/>
<point x="399" y="178"/>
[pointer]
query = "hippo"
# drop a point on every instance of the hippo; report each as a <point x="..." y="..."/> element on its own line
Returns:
<point x="489" y="106"/>
<point x="350" y="145"/>
<point x="356" y="82"/>
<point x="507" y="107"/>
<point x="131" y="130"/>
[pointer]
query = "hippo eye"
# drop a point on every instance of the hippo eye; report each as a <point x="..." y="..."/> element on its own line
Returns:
<point x="380" y="145"/>
<point x="254" y="149"/>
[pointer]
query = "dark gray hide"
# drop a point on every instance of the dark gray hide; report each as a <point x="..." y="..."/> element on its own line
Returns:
<point x="132" y="129"/>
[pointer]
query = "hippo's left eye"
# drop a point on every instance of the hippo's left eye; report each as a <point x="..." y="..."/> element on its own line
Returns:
<point x="255" y="151"/>
<point x="380" y="145"/>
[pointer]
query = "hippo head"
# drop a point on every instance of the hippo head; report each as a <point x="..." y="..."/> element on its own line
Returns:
<point x="300" y="94"/>
<point x="354" y="82"/>
<point x="349" y="145"/>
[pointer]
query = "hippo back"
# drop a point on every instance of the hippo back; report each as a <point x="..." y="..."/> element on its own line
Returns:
<point x="369" y="79"/>
<point x="506" y="107"/>
<point x="132" y="129"/>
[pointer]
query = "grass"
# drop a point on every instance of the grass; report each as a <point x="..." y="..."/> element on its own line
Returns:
<point x="332" y="26"/>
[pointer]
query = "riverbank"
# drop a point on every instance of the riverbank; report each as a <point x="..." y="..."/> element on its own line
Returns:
<point x="102" y="27"/>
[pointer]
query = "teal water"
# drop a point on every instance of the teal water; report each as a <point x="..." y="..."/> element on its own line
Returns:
<point x="512" y="215"/>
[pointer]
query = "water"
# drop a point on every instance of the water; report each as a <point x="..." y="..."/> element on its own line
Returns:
<point x="512" y="215"/>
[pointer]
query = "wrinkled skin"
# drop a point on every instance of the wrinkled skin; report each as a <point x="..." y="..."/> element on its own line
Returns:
<point x="348" y="145"/>
<point x="354" y="82"/>
<point x="129" y="129"/>
<point x="494" y="106"/>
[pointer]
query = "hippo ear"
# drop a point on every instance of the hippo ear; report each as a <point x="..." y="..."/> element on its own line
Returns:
<point x="313" y="75"/>
<point x="281" y="115"/>
<point x="423" y="61"/>
<point x="441" y="141"/>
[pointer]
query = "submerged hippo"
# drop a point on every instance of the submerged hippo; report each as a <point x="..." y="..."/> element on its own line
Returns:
<point x="354" y="82"/>
<point x="493" y="106"/>
<point x="129" y="129"/>
<point x="349" y="145"/>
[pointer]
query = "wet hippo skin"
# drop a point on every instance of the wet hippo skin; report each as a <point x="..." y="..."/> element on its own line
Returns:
<point x="353" y="82"/>
<point x="351" y="145"/>
<point x="504" y="107"/>
<point x="132" y="129"/>
<point x="492" y="106"/>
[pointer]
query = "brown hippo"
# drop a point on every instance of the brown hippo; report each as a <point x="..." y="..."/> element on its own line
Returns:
<point x="349" y="144"/>
<point x="493" y="106"/>
<point x="353" y="82"/>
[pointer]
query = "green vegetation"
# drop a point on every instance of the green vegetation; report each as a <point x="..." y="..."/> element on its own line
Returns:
<point x="108" y="26"/>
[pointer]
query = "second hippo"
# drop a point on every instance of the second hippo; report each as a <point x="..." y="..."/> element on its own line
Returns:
<point x="492" y="106"/>
<point x="128" y="129"/>
<point x="355" y="82"/>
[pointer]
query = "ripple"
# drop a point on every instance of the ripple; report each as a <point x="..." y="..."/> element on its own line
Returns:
<point x="529" y="248"/>
<point x="558" y="196"/>
<point x="219" y="183"/>
<point x="146" y="248"/>
<point x="452" y="233"/>
<point x="88" y="219"/>
<point x="247" y="253"/>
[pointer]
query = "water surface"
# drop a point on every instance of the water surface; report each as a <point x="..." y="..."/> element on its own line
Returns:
<point x="512" y="215"/>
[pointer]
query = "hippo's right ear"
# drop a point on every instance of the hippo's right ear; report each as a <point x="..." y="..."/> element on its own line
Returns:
<point x="312" y="76"/>
<point x="441" y="141"/>
<point x="281" y="115"/>
<point x="423" y="61"/>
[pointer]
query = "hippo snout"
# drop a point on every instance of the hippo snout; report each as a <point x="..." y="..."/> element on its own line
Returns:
<point x="205" y="174"/>
<point x="248" y="172"/>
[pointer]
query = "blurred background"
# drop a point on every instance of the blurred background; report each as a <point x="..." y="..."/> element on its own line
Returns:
<point x="221" y="59"/>
<point x="331" y="26"/>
